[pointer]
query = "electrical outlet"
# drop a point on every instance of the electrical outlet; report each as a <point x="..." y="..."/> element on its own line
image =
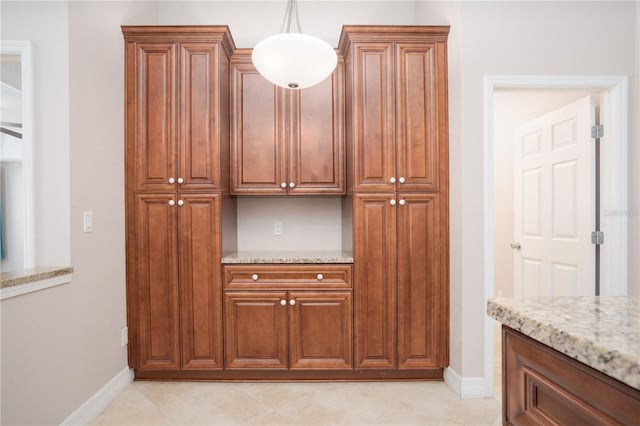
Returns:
<point x="87" y="221"/>
<point x="277" y="228"/>
<point x="124" y="336"/>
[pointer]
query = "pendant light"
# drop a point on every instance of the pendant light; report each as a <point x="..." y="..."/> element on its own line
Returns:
<point x="292" y="59"/>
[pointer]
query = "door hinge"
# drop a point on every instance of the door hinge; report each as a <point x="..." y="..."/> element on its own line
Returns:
<point x="597" y="131"/>
<point x="597" y="237"/>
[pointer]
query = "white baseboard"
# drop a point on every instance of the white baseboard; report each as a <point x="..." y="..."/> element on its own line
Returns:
<point x="466" y="387"/>
<point x="93" y="406"/>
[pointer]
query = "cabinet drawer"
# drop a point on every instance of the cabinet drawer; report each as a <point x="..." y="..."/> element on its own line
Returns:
<point x="284" y="277"/>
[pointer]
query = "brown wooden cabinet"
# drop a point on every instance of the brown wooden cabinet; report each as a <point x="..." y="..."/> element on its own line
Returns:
<point x="285" y="142"/>
<point x="397" y="101"/>
<point x="153" y="284"/>
<point x="177" y="109"/>
<point x="543" y="386"/>
<point x="284" y="328"/>
<point x="176" y="174"/>
<point x="397" y="151"/>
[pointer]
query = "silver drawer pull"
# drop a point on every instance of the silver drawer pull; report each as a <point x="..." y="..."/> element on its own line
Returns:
<point x="254" y="277"/>
<point x="320" y="277"/>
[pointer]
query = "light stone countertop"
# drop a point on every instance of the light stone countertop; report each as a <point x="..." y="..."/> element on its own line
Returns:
<point x="246" y="257"/>
<point x="25" y="276"/>
<point x="602" y="332"/>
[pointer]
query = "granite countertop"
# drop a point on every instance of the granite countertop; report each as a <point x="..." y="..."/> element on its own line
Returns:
<point x="25" y="276"/>
<point x="287" y="257"/>
<point x="602" y="332"/>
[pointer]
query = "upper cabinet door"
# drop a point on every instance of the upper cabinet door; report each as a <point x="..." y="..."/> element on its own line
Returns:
<point x="373" y="112"/>
<point x="257" y="136"/>
<point x="316" y="141"/>
<point x="154" y="97"/>
<point x="417" y="110"/>
<point x="199" y="124"/>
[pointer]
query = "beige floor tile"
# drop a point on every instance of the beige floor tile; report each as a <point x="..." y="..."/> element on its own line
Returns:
<point x="335" y="403"/>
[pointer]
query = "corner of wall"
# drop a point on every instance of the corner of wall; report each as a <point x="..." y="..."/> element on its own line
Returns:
<point x="467" y="387"/>
<point x="92" y="407"/>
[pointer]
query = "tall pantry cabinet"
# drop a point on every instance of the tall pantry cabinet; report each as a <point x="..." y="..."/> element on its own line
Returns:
<point x="177" y="162"/>
<point x="397" y="171"/>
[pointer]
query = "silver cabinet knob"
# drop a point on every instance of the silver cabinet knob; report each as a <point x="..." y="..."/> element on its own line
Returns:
<point x="401" y="180"/>
<point x="171" y="202"/>
<point x="180" y="180"/>
<point x="283" y="302"/>
<point x="283" y="185"/>
<point x="320" y="277"/>
<point x="292" y="302"/>
<point x="392" y="180"/>
<point x="172" y="181"/>
<point x="254" y="277"/>
<point x="402" y="202"/>
<point x="291" y="184"/>
<point x="392" y="202"/>
<point x="516" y="246"/>
<point x="181" y="202"/>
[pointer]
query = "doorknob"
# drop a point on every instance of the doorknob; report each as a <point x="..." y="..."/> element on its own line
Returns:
<point x="515" y="246"/>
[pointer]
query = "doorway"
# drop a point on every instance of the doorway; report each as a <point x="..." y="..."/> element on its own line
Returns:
<point x="510" y="100"/>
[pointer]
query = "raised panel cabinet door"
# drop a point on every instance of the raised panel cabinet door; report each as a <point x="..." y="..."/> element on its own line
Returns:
<point x="374" y="280"/>
<point x="200" y="281"/>
<point x="258" y="151"/>
<point x="417" y="117"/>
<point x="200" y="104"/>
<point x="154" y="102"/>
<point x="156" y="253"/>
<point x="422" y="289"/>
<point x="373" y="115"/>
<point x="316" y="141"/>
<point x="320" y="335"/>
<point x="255" y="330"/>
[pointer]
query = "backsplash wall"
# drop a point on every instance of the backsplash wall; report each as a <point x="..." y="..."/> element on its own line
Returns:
<point x="307" y="223"/>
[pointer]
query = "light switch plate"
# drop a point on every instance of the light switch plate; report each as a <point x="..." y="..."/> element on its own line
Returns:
<point x="87" y="221"/>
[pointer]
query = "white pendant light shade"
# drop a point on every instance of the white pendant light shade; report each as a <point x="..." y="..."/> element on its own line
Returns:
<point x="294" y="60"/>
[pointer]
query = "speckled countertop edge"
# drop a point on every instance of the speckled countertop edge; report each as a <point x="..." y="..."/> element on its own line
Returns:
<point x="622" y="364"/>
<point x="287" y="257"/>
<point x="26" y="276"/>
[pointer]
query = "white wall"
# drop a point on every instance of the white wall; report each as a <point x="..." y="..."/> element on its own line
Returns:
<point x="61" y="345"/>
<point x="308" y="223"/>
<point x="512" y="108"/>
<point x="634" y="170"/>
<point x="523" y="38"/>
<point x="250" y="21"/>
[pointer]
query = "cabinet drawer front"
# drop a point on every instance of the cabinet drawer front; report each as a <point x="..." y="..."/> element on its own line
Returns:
<point x="287" y="277"/>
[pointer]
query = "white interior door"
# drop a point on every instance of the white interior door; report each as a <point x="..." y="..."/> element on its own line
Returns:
<point x="554" y="203"/>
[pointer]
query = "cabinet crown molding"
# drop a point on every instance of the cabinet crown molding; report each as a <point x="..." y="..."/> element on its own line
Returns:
<point x="355" y="33"/>
<point x="181" y="33"/>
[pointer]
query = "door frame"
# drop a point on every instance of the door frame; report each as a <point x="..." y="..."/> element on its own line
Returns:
<point x="613" y="175"/>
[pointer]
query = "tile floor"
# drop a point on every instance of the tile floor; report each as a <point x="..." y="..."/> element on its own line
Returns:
<point x="365" y="403"/>
<point x="337" y="403"/>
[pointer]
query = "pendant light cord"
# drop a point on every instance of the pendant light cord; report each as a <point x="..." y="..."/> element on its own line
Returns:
<point x="291" y="22"/>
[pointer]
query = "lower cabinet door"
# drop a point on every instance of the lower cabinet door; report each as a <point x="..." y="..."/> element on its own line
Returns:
<point x="200" y="281"/>
<point x="255" y="329"/>
<point x="320" y="330"/>
<point x="156" y="283"/>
